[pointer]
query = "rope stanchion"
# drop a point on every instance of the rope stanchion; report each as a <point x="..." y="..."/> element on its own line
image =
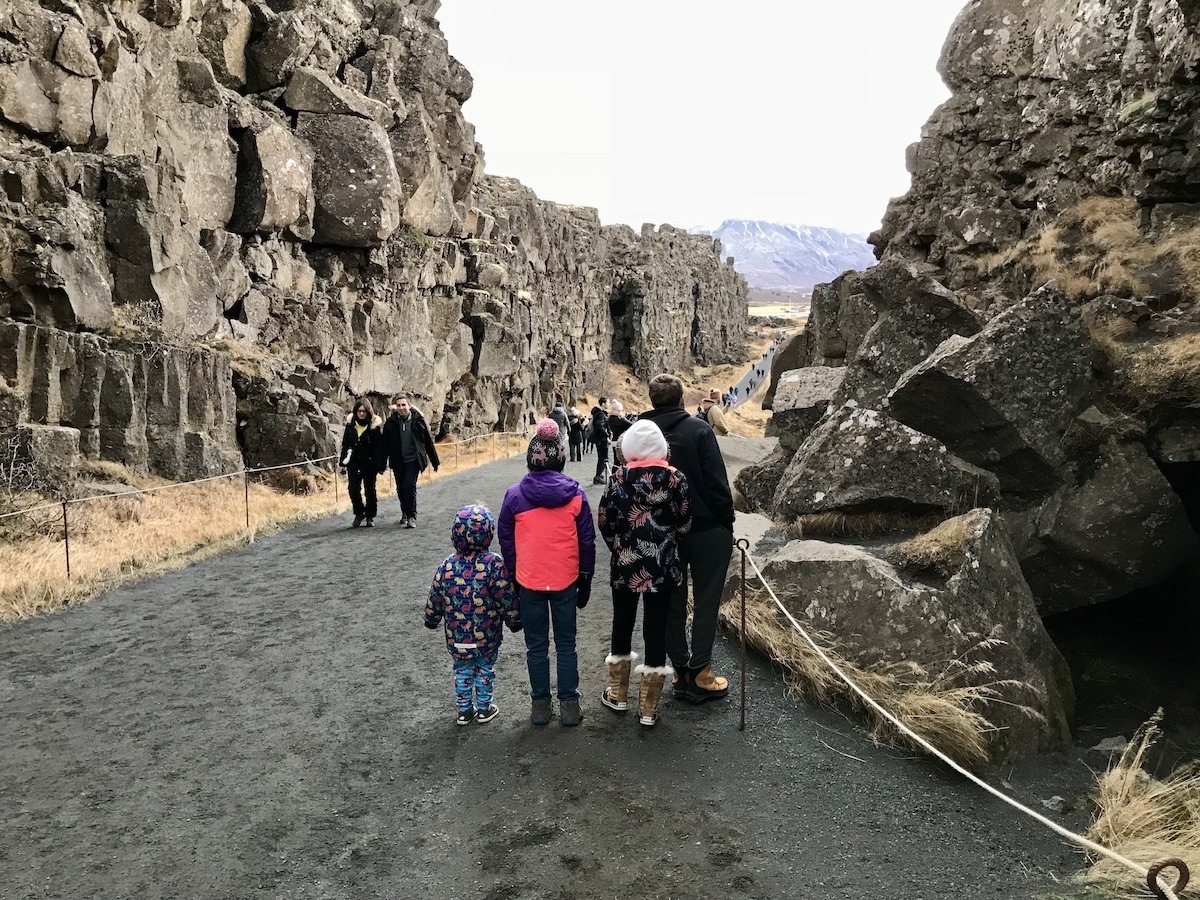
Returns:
<point x="1151" y="875"/>
<point x="246" y="497"/>
<point x="743" y="546"/>
<point x="66" y="538"/>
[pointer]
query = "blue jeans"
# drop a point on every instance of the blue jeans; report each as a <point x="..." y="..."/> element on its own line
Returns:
<point x="538" y="610"/>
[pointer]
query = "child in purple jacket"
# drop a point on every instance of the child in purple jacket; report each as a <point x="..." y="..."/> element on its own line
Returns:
<point x="473" y="592"/>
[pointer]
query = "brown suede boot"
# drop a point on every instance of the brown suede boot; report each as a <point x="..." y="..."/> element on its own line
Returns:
<point x="653" y="679"/>
<point x="705" y="685"/>
<point x="616" y="695"/>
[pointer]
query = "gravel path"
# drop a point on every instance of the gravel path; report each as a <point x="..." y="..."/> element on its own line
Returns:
<point x="275" y="723"/>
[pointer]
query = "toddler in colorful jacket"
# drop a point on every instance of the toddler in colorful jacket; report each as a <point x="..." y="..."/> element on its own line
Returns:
<point x="475" y="596"/>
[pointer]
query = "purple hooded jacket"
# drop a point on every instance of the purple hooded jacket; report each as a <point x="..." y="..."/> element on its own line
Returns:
<point x="546" y="531"/>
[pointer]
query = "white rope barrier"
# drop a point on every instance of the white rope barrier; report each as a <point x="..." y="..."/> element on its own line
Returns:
<point x="1079" y="839"/>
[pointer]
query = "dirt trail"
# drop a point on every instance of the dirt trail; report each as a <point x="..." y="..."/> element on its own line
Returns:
<point x="275" y="723"/>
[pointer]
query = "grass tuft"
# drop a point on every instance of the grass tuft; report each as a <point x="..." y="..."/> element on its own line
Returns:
<point x="944" y="706"/>
<point x="858" y="524"/>
<point x="938" y="550"/>
<point x="1143" y="818"/>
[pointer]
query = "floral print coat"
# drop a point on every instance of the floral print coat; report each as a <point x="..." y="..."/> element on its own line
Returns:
<point x="644" y="512"/>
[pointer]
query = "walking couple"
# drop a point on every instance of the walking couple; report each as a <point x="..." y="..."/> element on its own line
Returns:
<point x="370" y="446"/>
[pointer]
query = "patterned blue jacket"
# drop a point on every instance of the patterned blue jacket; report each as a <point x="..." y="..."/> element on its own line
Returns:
<point x="472" y="590"/>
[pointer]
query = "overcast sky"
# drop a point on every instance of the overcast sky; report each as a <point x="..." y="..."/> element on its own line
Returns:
<point x="692" y="112"/>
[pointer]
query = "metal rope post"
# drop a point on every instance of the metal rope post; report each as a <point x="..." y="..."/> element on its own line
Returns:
<point x="743" y="546"/>
<point x="66" y="538"/>
<point x="336" y="489"/>
<point x="246" y="494"/>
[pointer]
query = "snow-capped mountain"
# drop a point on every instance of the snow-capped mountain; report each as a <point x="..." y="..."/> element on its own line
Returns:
<point x="791" y="258"/>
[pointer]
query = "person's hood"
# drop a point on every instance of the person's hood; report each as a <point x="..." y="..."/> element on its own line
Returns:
<point x="597" y="411"/>
<point x="708" y="401"/>
<point x="667" y="417"/>
<point x="376" y="422"/>
<point x="548" y="489"/>
<point x="473" y="529"/>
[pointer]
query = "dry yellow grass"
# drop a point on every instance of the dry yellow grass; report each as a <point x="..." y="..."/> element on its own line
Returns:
<point x="1097" y="248"/>
<point x="940" y="549"/>
<point x="858" y="524"/>
<point x="114" y="540"/>
<point x="1145" y="819"/>
<point x="944" y="707"/>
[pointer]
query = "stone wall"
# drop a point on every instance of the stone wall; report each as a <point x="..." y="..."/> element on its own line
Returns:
<point x="293" y="188"/>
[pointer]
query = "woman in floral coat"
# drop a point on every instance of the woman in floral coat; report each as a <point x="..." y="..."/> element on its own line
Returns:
<point x="643" y="513"/>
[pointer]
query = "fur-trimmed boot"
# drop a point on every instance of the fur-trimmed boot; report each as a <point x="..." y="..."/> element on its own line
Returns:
<point x="653" y="678"/>
<point x="616" y="695"/>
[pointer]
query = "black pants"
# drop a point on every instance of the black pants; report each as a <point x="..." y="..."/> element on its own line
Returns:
<point x="601" y="458"/>
<point x="406" y="488"/>
<point x="654" y="623"/>
<point x="362" y="482"/>
<point x="707" y="556"/>
<point x="576" y="451"/>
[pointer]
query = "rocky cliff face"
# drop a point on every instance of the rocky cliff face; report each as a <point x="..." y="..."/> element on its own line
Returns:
<point x="269" y="208"/>
<point x="1029" y="342"/>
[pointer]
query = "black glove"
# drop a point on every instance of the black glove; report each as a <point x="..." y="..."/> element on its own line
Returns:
<point x="584" y="586"/>
<point x="515" y="628"/>
<point x="432" y="626"/>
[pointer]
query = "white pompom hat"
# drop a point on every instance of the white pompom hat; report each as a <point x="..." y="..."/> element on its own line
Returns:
<point x="642" y="441"/>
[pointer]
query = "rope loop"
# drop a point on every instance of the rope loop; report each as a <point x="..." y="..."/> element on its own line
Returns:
<point x="1172" y="862"/>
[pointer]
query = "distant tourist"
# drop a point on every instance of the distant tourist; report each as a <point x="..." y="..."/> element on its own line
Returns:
<point x="575" y="435"/>
<point x="558" y="413"/>
<point x="410" y="450"/>
<point x="642" y="515"/>
<point x="618" y="424"/>
<point x="710" y="412"/>
<point x="474" y="595"/>
<point x="549" y="544"/>
<point x="362" y="459"/>
<point x="705" y="550"/>
<point x="600" y="440"/>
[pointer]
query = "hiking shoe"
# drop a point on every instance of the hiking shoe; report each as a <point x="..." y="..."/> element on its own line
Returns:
<point x="704" y="686"/>
<point x="541" y="712"/>
<point x="370" y="523"/>
<point x="358" y="520"/>
<point x="410" y="522"/>
<point x="486" y="715"/>
<point x="465" y="717"/>
<point x="570" y="712"/>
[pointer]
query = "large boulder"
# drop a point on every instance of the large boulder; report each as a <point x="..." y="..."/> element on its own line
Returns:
<point x="758" y="483"/>
<point x="802" y="397"/>
<point x="1004" y="398"/>
<point x="51" y="452"/>
<point x="224" y="33"/>
<point x="916" y="313"/>
<point x="275" y="182"/>
<point x="354" y="179"/>
<point x="311" y="90"/>
<point x="975" y="608"/>
<point x="1122" y="529"/>
<point x="862" y="461"/>
<point x="790" y="355"/>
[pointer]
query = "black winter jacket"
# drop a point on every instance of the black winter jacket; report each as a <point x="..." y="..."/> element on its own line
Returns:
<point x="426" y="451"/>
<point x="366" y="452"/>
<point x="695" y="453"/>
<point x="599" y="426"/>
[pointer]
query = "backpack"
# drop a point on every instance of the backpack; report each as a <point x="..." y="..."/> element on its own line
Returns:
<point x="702" y="414"/>
<point x="587" y="432"/>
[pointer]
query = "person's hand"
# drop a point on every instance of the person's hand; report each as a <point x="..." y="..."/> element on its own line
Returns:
<point x="435" y="467"/>
<point x="342" y="469"/>
<point x="515" y="628"/>
<point x="432" y="626"/>
<point x="584" y="587"/>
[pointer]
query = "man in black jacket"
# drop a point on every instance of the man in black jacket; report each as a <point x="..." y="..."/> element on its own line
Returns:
<point x="706" y="550"/>
<point x="410" y="450"/>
